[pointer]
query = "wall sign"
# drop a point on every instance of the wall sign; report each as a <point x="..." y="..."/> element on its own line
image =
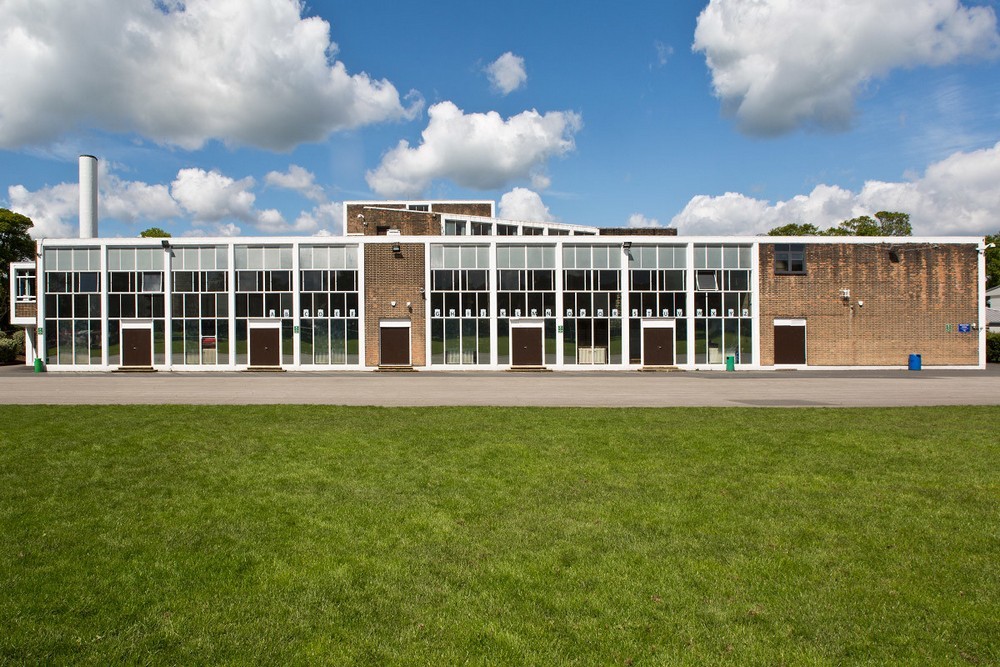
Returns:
<point x="964" y="328"/>
<point x="296" y="329"/>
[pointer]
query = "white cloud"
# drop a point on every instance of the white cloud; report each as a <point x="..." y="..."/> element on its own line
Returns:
<point x="53" y="210"/>
<point x="777" y="65"/>
<point x="299" y="179"/>
<point x="324" y="219"/>
<point x="247" y="72"/>
<point x="477" y="150"/>
<point x="507" y="73"/>
<point x="956" y="196"/>
<point x="131" y="201"/>
<point x="639" y="221"/>
<point x="525" y="205"/>
<point x="210" y="196"/>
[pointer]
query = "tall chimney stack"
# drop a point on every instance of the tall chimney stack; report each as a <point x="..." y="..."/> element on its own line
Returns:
<point x="88" y="196"/>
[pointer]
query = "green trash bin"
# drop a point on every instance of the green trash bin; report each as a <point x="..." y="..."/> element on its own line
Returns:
<point x="39" y="366"/>
<point x="731" y="363"/>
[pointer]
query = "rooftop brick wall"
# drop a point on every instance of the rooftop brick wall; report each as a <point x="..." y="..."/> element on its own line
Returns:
<point x="907" y="305"/>
<point x="409" y="223"/>
<point x="395" y="277"/>
<point x="638" y="231"/>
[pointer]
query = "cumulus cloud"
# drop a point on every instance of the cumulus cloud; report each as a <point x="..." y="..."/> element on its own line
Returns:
<point x="957" y="195"/>
<point x="478" y="150"/>
<point x="298" y="179"/>
<point x="53" y="209"/>
<point x="247" y="72"/>
<point x="777" y="65"/>
<point x="210" y="196"/>
<point x="639" y="221"/>
<point x="507" y="73"/>
<point x="324" y="219"/>
<point x="524" y="205"/>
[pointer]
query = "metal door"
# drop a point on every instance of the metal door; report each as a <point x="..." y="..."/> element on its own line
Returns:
<point x="265" y="347"/>
<point x="526" y="344"/>
<point x="395" y="346"/>
<point x="789" y="345"/>
<point x="658" y="346"/>
<point x="137" y="347"/>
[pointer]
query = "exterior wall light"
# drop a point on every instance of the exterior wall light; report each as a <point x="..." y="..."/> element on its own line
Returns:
<point x="395" y="248"/>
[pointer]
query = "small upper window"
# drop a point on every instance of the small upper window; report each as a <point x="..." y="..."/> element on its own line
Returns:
<point x="706" y="281"/>
<point x="789" y="258"/>
<point x="418" y="207"/>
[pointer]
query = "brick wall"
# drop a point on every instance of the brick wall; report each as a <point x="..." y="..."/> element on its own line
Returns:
<point x="906" y="304"/>
<point x="395" y="277"/>
<point x="409" y="223"/>
<point x="24" y="309"/>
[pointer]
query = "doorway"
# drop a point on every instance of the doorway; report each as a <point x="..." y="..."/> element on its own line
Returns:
<point x="658" y="346"/>
<point x="137" y="347"/>
<point x="394" y="344"/>
<point x="526" y="346"/>
<point x="265" y="346"/>
<point x="790" y="342"/>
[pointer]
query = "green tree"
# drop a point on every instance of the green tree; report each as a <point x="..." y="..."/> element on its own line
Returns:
<point x="885" y="223"/>
<point x="154" y="233"/>
<point x="993" y="261"/>
<point x="795" y="229"/>
<point x="16" y="245"/>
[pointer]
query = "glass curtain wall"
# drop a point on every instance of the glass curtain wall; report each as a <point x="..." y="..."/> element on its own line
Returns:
<point x="460" y="304"/>
<point x="592" y="304"/>
<point x="526" y="284"/>
<point x="263" y="291"/>
<point x="200" y="306"/>
<point x="135" y="290"/>
<point x="657" y="288"/>
<point x="722" y="303"/>
<point x="328" y="286"/>
<point x="72" y="306"/>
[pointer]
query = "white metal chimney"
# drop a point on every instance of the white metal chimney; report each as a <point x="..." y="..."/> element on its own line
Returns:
<point x="88" y="196"/>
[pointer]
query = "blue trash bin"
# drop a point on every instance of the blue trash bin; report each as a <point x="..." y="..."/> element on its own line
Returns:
<point x="914" y="362"/>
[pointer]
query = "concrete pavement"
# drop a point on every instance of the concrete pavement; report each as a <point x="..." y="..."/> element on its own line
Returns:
<point x="607" y="389"/>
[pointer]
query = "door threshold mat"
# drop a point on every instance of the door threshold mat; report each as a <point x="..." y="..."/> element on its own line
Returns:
<point x="660" y="369"/>
<point x="265" y="369"/>
<point x="529" y="369"/>
<point x="396" y="369"/>
<point x="134" y="369"/>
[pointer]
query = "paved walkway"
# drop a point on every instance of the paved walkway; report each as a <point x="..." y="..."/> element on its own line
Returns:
<point x="615" y="389"/>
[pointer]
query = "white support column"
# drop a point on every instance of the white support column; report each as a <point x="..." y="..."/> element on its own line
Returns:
<point x="105" y="279"/>
<point x="41" y="291"/>
<point x="689" y="308"/>
<point x="494" y="277"/>
<point x="168" y="309"/>
<point x="981" y="302"/>
<point x="231" y="278"/>
<point x="560" y="323"/>
<point x="625" y="311"/>
<point x="426" y="305"/>
<point x="755" y="307"/>
<point x="296" y="309"/>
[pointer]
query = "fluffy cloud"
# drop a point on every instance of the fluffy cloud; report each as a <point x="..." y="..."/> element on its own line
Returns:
<point x="324" y="219"/>
<point x="52" y="208"/>
<point x="525" y="205"/>
<point x="55" y="209"/>
<point x="210" y="196"/>
<point x="777" y="65"/>
<point x="639" y="221"/>
<point x="299" y="179"/>
<point x="507" y="73"/>
<point x="477" y="150"/>
<point x="957" y="195"/>
<point x="247" y="72"/>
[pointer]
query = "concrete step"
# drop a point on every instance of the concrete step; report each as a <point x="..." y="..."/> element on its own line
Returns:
<point x="265" y="369"/>
<point x="134" y="369"/>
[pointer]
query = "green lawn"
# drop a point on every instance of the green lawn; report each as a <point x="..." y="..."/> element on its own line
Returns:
<point x="273" y="535"/>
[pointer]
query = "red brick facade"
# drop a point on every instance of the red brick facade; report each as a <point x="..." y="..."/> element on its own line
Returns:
<point x="376" y="220"/>
<point x="395" y="277"/>
<point x="907" y="304"/>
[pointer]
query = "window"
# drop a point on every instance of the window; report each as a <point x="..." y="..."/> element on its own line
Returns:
<point x="152" y="282"/>
<point x="418" y="207"/>
<point x="706" y="281"/>
<point x="789" y="258"/>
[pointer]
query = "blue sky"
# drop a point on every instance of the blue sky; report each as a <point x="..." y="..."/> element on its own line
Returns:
<point x="725" y="117"/>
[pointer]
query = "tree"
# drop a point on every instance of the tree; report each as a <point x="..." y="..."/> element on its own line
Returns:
<point x="795" y="229"/>
<point x="993" y="261"/>
<point x="154" y="233"/>
<point x="16" y="245"/>
<point x="885" y="223"/>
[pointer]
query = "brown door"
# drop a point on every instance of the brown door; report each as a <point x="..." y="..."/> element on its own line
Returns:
<point x="395" y="346"/>
<point x="789" y="345"/>
<point x="527" y="346"/>
<point x="265" y="347"/>
<point x="658" y="347"/>
<point x="137" y="347"/>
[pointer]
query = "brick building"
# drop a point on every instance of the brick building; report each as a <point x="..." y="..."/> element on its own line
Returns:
<point x="447" y="285"/>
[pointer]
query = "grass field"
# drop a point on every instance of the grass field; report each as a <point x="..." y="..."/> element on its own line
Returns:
<point x="276" y="535"/>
